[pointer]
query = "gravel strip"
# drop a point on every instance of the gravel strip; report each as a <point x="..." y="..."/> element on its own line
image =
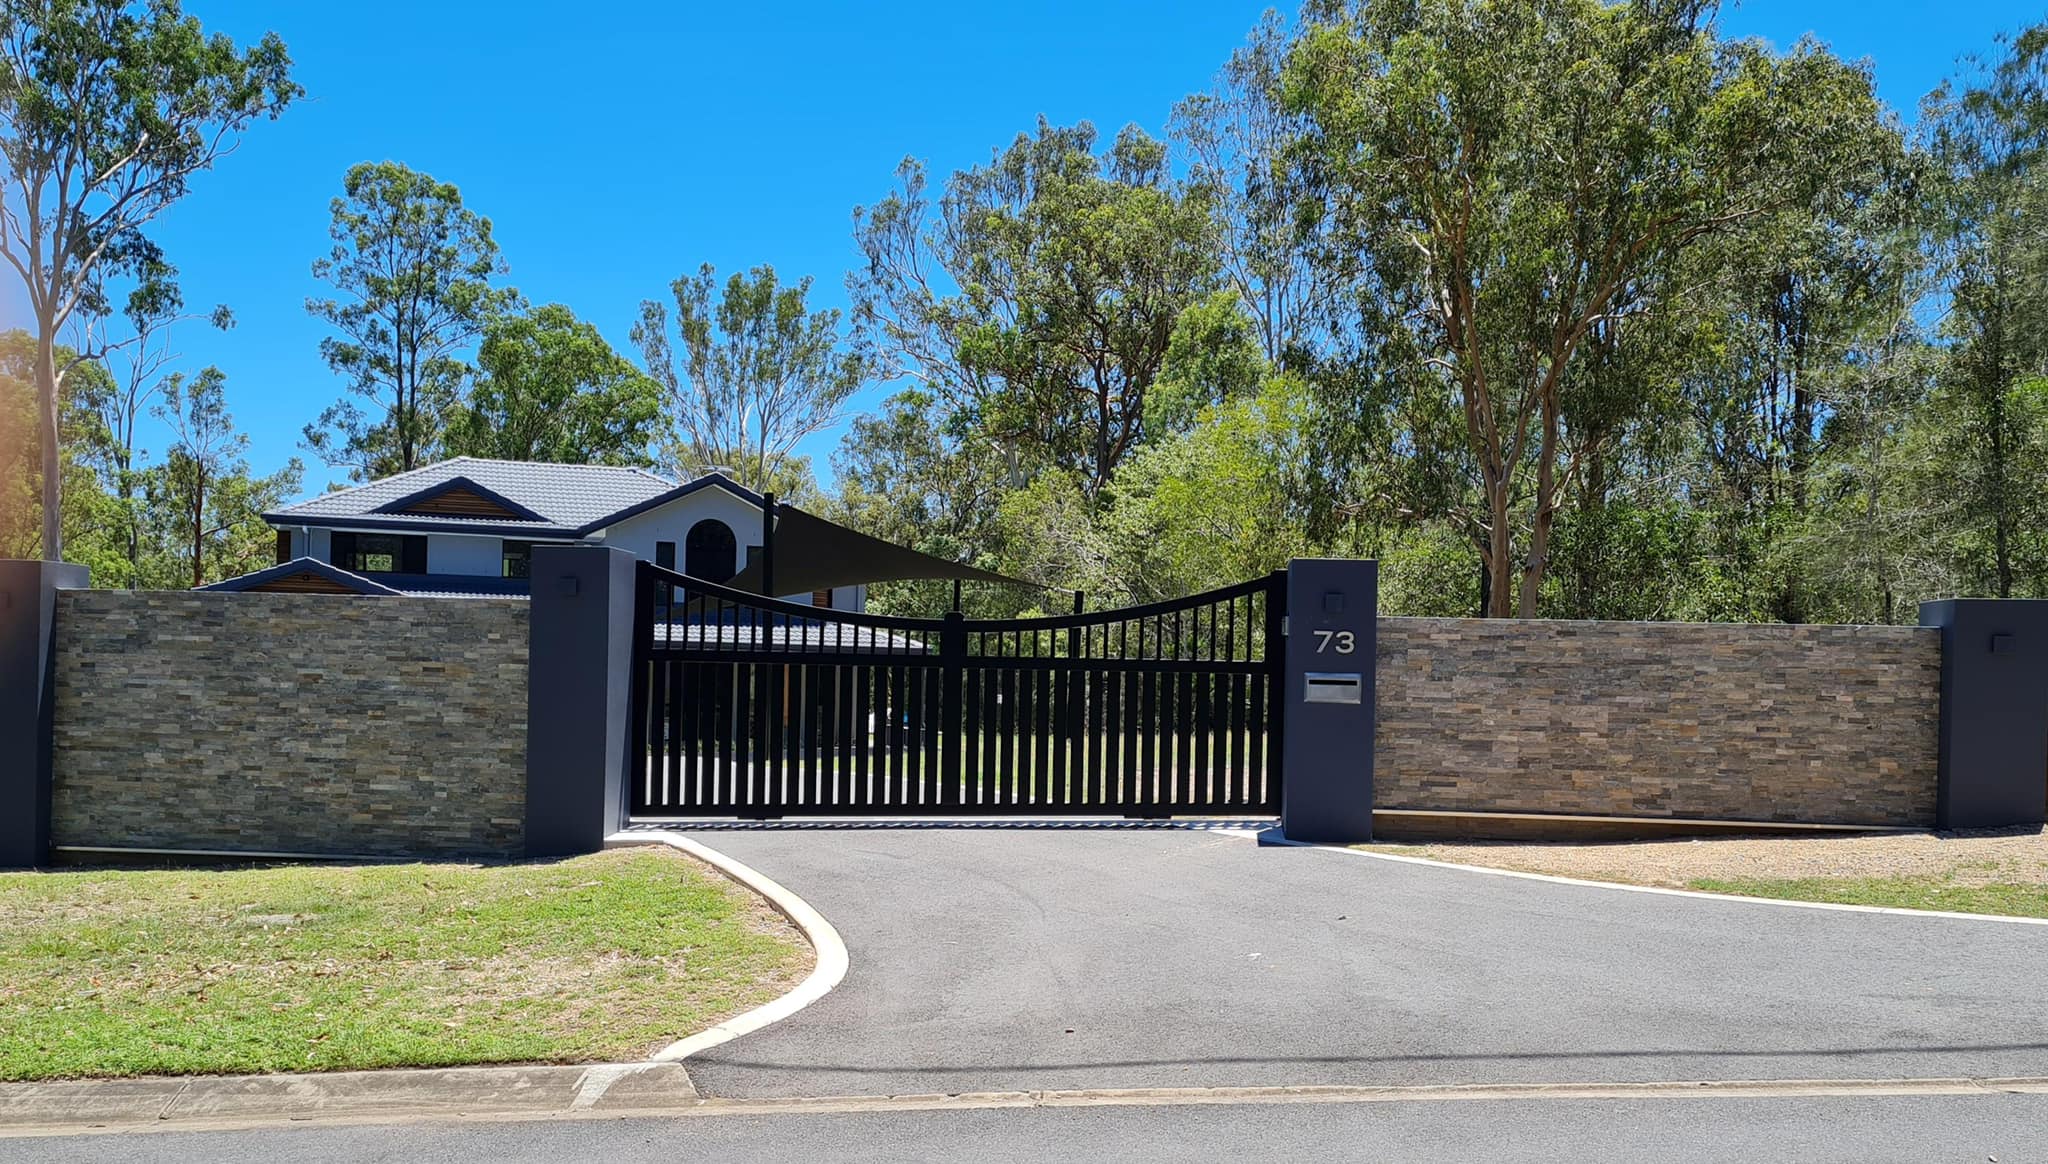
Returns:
<point x="2006" y="856"/>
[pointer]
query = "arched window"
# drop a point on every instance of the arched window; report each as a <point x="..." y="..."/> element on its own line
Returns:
<point x="710" y="553"/>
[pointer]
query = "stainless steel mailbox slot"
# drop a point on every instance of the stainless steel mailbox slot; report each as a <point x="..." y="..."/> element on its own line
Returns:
<point x="1332" y="686"/>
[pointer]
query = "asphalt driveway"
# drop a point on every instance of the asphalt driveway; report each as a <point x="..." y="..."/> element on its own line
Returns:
<point x="999" y="959"/>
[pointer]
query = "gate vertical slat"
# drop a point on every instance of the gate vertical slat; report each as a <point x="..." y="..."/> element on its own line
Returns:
<point x="657" y="711"/>
<point x="1043" y="743"/>
<point x="827" y="679"/>
<point x="1148" y="741"/>
<point x="952" y="708"/>
<point x="745" y="762"/>
<point x="900" y="718"/>
<point x="1183" y="734"/>
<point x="672" y="785"/>
<point x="1255" y="771"/>
<point x="864" y="733"/>
<point x="938" y="735"/>
<point x="1077" y="720"/>
<point x="725" y="721"/>
<point x="1129" y="707"/>
<point x="707" y="698"/>
<point x="813" y="775"/>
<point x="837" y="732"/>
<point x="1006" y="740"/>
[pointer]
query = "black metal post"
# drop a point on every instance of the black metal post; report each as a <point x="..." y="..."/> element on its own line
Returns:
<point x="768" y="545"/>
<point x="956" y="595"/>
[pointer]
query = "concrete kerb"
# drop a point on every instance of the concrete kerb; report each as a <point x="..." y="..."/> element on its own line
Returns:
<point x="526" y="1091"/>
<point x="676" y="1107"/>
<point x="1275" y="838"/>
<point x="829" y="969"/>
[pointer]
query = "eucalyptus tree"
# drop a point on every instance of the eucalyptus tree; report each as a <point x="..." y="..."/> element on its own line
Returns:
<point x="413" y="267"/>
<point x="92" y="521"/>
<point x="1512" y="176"/>
<point x="206" y="504"/>
<point x="107" y="110"/>
<point x="751" y="372"/>
<point x="139" y="365"/>
<point x="1243" y="148"/>
<point x="1991" y="140"/>
<point x="547" y="387"/>
<point x="1039" y="296"/>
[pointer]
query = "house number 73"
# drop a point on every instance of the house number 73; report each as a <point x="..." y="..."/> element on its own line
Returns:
<point x="1342" y="640"/>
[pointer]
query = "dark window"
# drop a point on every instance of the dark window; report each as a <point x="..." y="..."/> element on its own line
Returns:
<point x="822" y="598"/>
<point x="665" y="555"/>
<point x="710" y="552"/>
<point x="284" y="546"/>
<point x="518" y="559"/>
<point x="366" y="553"/>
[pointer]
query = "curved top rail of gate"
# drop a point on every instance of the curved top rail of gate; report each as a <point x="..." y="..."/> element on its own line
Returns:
<point x="1225" y="625"/>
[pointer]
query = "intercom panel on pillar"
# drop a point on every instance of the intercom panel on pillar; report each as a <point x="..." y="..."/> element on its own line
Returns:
<point x="1327" y="738"/>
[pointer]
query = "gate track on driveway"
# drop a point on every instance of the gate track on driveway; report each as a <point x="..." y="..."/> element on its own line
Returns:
<point x="1000" y="960"/>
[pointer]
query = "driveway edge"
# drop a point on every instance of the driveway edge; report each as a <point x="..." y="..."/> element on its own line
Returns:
<point x="1274" y="838"/>
<point x="831" y="951"/>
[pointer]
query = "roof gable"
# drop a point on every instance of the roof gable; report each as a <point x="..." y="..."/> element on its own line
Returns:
<point x="303" y="576"/>
<point x="707" y="481"/>
<point x="459" y="496"/>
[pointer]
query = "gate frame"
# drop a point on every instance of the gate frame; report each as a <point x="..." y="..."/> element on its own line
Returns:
<point x="952" y="662"/>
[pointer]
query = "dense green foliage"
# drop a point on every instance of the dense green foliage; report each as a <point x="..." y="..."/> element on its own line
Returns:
<point x="547" y="387"/>
<point x="1564" y="309"/>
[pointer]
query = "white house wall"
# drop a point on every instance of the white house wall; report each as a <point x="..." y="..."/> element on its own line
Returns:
<point x="638" y="534"/>
<point x="315" y="546"/>
<point x="465" y="554"/>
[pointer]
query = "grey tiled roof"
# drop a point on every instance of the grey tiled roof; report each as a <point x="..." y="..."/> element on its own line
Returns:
<point x="567" y="497"/>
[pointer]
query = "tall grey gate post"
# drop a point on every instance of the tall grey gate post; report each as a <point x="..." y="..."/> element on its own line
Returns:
<point x="578" y="679"/>
<point x="1994" y="712"/>
<point x="1328" y="700"/>
<point x="28" y="610"/>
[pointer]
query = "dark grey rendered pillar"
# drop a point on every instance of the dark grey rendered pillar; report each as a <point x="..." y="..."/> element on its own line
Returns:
<point x="577" y="692"/>
<point x="1994" y="712"/>
<point x="28" y="615"/>
<point x="1327" y="737"/>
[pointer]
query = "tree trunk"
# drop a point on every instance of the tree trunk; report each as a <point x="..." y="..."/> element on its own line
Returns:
<point x="47" y="416"/>
<point x="1546" y="508"/>
<point x="198" y="528"/>
<point x="1499" y="549"/>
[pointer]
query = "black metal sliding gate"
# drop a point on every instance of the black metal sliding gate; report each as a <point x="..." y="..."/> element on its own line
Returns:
<point x="751" y="707"/>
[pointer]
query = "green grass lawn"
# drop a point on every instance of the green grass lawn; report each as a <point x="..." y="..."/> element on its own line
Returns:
<point x="2013" y="900"/>
<point x="312" y="968"/>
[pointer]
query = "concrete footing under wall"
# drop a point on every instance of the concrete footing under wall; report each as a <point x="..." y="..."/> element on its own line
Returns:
<point x="1402" y="824"/>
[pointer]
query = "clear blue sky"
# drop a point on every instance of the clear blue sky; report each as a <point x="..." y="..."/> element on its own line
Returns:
<point x="623" y="146"/>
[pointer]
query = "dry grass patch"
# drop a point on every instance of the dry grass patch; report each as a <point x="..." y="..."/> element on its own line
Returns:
<point x="2003" y="872"/>
<point x="608" y="956"/>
